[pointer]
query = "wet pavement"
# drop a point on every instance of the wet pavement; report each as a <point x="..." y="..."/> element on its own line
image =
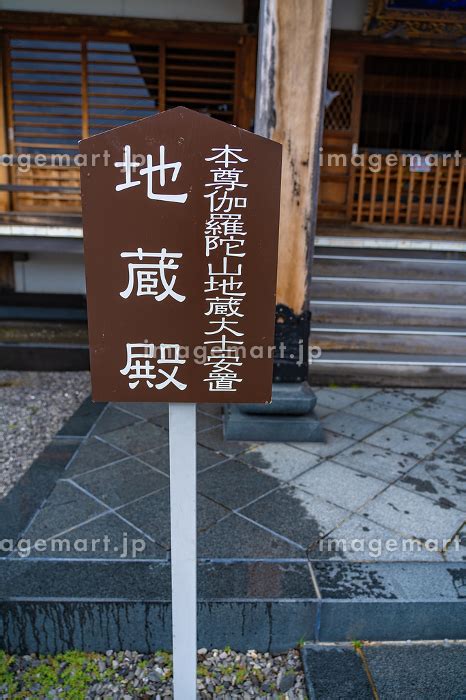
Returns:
<point x="389" y="483"/>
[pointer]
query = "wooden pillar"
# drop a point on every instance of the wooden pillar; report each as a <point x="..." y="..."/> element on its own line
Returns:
<point x="291" y="78"/>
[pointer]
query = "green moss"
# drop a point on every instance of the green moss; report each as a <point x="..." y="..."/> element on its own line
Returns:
<point x="79" y="672"/>
<point x="7" y="679"/>
<point x="258" y="674"/>
<point x="39" y="680"/>
<point x="241" y="675"/>
<point x="69" y="675"/>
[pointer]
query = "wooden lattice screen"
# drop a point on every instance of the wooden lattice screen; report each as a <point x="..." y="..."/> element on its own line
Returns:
<point x="61" y="90"/>
<point x="339" y="112"/>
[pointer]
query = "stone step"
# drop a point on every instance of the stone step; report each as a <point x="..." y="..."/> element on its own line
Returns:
<point x="357" y="266"/>
<point x="43" y="332"/>
<point x="44" y="357"/>
<point x="249" y="604"/>
<point x="387" y="290"/>
<point x="388" y="369"/>
<point x="443" y="342"/>
<point x="342" y="313"/>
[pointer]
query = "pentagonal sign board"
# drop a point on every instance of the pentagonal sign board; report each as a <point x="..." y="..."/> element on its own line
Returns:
<point x="180" y="215"/>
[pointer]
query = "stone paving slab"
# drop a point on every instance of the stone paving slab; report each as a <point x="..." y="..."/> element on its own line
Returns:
<point x="455" y="398"/>
<point x="233" y="484"/>
<point x="376" y="410"/>
<point x="82" y="421"/>
<point x="93" y="454"/>
<point x="415" y="671"/>
<point x="333" y="444"/>
<point x="428" y="427"/>
<point x="336" y="400"/>
<point x="110" y="484"/>
<point x="404" y="443"/>
<point x="151" y="515"/>
<point x="384" y="581"/>
<point x="359" y="538"/>
<point x="452" y="453"/>
<point x="137" y="438"/>
<point x="398" y="398"/>
<point x="350" y="426"/>
<point x="158" y="458"/>
<point x="414" y="515"/>
<point x="66" y="507"/>
<point x="112" y="536"/>
<point x="457" y="552"/>
<point x="113" y="418"/>
<point x="386" y="671"/>
<point x="375" y="461"/>
<point x="237" y="537"/>
<point x="442" y="410"/>
<point x="343" y="487"/>
<point x="204" y="420"/>
<point x="304" y="518"/>
<point x="430" y="479"/>
<point x="280" y="460"/>
<point x="335" y="673"/>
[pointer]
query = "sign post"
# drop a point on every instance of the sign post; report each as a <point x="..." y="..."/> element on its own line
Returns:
<point x="182" y="426"/>
<point x="180" y="217"/>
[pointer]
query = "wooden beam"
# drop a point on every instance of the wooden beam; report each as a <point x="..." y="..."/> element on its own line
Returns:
<point x="122" y="27"/>
<point x="414" y="86"/>
<point x="292" y="68"/>
<point x="353" y="41"/>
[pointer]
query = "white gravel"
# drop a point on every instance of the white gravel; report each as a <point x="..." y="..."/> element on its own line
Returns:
<point x="33" y="406"/>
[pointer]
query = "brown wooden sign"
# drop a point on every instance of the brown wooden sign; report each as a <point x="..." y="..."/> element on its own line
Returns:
<point x="180" y="239"/>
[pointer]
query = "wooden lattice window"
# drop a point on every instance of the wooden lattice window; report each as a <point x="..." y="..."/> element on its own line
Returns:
<point x="338" y="113"/>
<point x="61" y="90"/>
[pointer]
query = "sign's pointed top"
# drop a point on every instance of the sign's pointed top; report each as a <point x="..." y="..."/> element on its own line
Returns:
<point x="173" y="118"/>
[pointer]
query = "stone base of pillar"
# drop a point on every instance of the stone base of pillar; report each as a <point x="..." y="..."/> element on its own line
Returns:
<point x="289" y="418"/>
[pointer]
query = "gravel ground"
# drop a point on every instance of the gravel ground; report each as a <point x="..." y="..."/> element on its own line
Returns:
<point x="33" y="406"/>
<point x="127" y="675"/>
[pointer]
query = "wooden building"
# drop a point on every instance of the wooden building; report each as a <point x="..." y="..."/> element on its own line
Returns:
<point x="69" y="76"/>
<point x="388" y="272"/>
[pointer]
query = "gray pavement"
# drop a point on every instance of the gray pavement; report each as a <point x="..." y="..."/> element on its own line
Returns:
<point x="388" y="484"/>
<point x="390" y="671"/>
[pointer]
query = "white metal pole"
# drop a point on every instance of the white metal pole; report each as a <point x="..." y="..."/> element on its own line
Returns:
<point x="182" y="429"/>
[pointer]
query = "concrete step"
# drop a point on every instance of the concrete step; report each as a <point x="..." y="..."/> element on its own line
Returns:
<point x="43" y="346"/>
<point x="387" y="314"/>
<point x="443" y="342"/>
<point x="43" y="332"/>
<point x="11" y="312"/>
<point x="360" y="266"/>
<point x="388" y="369"/>
<point x="388" y="290"/>
<point x="44" y="357"/>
